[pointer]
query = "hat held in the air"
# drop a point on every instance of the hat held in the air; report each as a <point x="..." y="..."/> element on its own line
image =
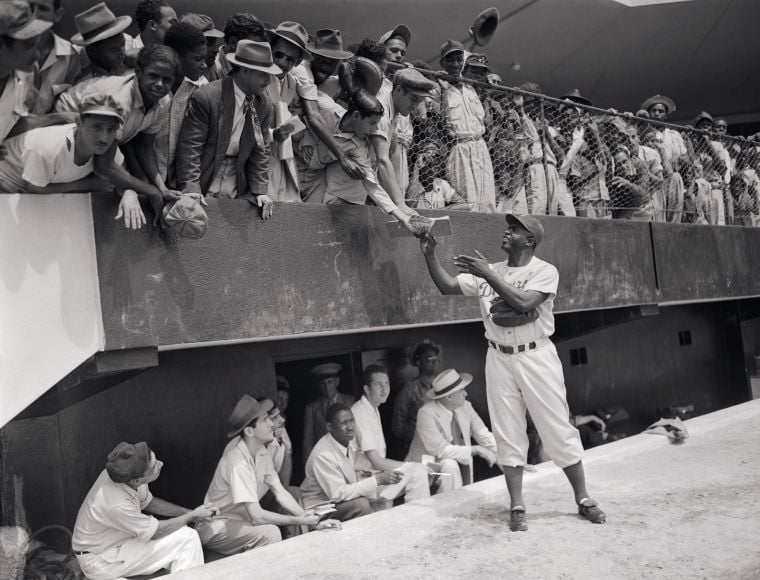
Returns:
<point x="186" y="217"/>
<point x="447" y="382"/>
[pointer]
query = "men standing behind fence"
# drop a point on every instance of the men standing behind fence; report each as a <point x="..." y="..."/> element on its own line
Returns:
<point x="468" y="168"/>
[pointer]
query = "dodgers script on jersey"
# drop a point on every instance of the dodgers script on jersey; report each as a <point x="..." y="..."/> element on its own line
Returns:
<point x="536" y="275"/>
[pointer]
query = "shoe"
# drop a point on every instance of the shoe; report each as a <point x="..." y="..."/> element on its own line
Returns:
<point x="517" y="521"/>
<point x="589" y="509"/>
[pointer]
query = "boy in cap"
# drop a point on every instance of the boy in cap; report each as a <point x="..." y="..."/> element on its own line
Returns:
<point x="190" y="45"/>
<point x="327" y="377"/>
<point x="410" y="89"/>
<point x="59" y="63"/>
<point x="427" y="359"/>
<point x="101" y="33"/>
<point x="222" y="150"/>
<point x="523" y="371"/>
<point x="240" y="26"/>
<point x="468" y="168"/>
<point x="114" y="537"/>
<point x="69" y="158"/>
<point x="243" y="476"/>
<point x="446" y="426"/>
<point x="206" y="25"/>
<point x="20" y="30"/>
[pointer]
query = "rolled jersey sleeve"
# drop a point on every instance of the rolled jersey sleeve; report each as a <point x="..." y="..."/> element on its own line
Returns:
<point x="468" y="284"/>
<point x="125" y="517"/>
<point x="435" y="442"/>
<point x="545" y="280"/>
<point x="333" y="483"/>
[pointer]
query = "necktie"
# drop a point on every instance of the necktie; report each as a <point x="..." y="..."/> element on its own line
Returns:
<point x="247" y="139"/>
<point x="457" y="438"/>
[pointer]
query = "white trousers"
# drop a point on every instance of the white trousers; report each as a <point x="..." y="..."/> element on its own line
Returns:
<point x="530" y="380"/>
<point x="414" y="484"/>
<point x="179" y="550"/>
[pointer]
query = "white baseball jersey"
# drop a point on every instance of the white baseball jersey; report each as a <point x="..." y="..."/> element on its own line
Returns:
<point x="536" y="275"/>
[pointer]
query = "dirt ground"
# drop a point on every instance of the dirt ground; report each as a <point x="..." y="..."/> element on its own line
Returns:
<point x="674" y="511"/>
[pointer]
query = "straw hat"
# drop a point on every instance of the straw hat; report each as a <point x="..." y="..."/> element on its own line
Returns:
<point x="254" y="55"/>
<point x="447" y="382"/>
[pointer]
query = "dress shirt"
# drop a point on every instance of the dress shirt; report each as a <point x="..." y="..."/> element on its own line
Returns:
<point x="59" y="71"/>
<point x="331" y="475"/>
<point x="369" y="434"/>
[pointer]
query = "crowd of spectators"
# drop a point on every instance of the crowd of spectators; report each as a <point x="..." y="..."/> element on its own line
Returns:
<point x="265" y="112"/>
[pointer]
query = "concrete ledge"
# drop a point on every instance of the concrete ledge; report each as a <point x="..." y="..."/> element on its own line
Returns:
<point x="690" y="510"/>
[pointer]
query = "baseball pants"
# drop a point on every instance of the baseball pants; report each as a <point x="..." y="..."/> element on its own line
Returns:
<point x="180" y="550"/>
<point x="532" y="381"/>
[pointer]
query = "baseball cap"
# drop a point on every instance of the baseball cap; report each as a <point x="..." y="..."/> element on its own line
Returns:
<point x="127" y="461"/>
<point x="451" y="46"/>
<point x="186" y="217"/>
<point x="19" y="20"/>
<point x="477" y="59"/>
<point x="101" y="104"/>
<point x="529" y="223"/>
<point x="414" y="81"/>
<point x="326" y="370"/>
<point x="401" y="30"/>
<point x="204" y="23"/>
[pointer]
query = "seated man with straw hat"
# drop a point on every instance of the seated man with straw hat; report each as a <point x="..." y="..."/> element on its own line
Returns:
<point x="223" y="149"/>
<point x="445" y="428"/>
<point x="243" y="476"/>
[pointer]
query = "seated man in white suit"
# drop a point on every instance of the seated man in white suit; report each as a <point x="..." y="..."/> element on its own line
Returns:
<point x="445" y="429"/>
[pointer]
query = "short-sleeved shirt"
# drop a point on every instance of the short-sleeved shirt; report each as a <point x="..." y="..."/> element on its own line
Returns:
<point x="111" y="514"/>
<point x="535" y="275"/>
<point x="42" y="156"/>
<point x="369" y="432"/>
<point x="126" y="91"/>
<point x="59" y="71"/>
<point x="240" y="478"/>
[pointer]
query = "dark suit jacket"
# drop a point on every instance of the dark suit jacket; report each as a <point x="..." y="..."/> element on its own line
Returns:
<point x="205" y="136"/>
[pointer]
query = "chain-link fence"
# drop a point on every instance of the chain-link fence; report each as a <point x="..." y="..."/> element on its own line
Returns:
<point x="490" y="148"/>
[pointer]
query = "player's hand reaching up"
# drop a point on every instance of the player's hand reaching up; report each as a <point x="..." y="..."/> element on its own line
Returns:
<point x="427" y="244"/>
<point x="477" y="266"/>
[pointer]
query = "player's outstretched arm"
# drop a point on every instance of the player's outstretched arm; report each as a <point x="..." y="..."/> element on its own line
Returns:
<point x="446" y="283"/>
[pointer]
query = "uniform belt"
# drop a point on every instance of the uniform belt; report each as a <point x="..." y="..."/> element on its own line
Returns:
<point x="512" y="349"/>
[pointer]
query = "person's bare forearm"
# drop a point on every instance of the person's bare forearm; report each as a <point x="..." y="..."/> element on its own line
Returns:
<point x="161" y="507"/>
<point x="166" y="527"/>
<point x="446" y="283"/>
<point x="519" y="300"/>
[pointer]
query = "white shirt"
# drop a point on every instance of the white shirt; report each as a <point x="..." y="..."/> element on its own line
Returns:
<point x="536" y="275"/>
<point x="238" y="121"/>
<point x="369" y="434"/>
<point x="59" y="71"/>
<point x="13" y="101"/>
<point x="111" y="514"/>
<point x="240" y="479"/>
<point x="43" y="156"/>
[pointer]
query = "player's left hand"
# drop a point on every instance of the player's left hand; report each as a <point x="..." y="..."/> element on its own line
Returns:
<point x="477" y="266"/>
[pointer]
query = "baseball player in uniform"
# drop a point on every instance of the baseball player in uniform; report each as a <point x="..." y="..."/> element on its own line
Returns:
<point x="523" y="371"/>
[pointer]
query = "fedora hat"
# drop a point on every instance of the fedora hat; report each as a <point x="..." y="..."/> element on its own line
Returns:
<point x="254" y="55"/>
<point x="329" y="43"/>
<point x="19" y="21"/>
<point x="98" y="23"/>
<point x="246" y="410"/>
<point x="576" y="97"/>
<point x="670" y="105"/>
<point x="293" y="32"/>
<point x="402" y="31"/>
<point x="478" y="60"/>
<point x="447" y="382"/>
